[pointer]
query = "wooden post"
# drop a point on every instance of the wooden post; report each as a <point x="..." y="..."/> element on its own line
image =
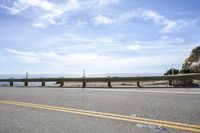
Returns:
<point x="11" y="83"/>
<point x="25" y="83"/>
<point x="43" y="83"/>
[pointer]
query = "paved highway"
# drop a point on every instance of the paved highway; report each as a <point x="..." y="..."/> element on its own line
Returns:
<point x="74" y="110"/>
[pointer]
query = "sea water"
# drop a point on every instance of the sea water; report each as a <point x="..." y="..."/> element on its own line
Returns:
<point x="8" y="76"/>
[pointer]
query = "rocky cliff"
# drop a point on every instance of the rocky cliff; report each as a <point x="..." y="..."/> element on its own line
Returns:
<point x="193" y="61"/>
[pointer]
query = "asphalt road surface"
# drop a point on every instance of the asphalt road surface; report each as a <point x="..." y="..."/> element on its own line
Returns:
<point x="74" y="110"/>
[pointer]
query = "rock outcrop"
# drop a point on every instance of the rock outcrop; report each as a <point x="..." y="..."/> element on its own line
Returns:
<point x="192" y="63"/>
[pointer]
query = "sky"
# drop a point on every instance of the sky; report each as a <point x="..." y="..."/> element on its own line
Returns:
<point x="100" y="36"/>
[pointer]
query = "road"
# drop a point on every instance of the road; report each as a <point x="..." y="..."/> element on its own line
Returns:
<point x="74" y="110"/>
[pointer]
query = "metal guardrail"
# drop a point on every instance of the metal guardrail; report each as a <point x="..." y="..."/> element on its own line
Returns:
<point x="108" y="79"/>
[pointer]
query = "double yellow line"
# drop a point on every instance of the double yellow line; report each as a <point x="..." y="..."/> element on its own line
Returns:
<point x="168" y="124"/>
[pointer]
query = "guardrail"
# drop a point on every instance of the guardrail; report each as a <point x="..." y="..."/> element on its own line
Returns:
<point x="108" y="79"/>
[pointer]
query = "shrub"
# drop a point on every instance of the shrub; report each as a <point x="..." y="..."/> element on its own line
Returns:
<point x="184" y="71"/>
<point x="172" y="71"/>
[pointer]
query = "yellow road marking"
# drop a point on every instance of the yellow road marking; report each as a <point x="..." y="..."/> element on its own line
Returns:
<point x="182" y="126"/>
<point x="108" y="114"/>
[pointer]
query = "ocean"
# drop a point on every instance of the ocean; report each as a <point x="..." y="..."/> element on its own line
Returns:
<point x="7" y="76"/>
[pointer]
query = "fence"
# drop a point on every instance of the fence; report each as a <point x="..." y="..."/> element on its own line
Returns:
<point x="109" y="80"/>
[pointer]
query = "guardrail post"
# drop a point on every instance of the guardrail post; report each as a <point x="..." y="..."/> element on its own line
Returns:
<point x="61" y="84"/>
<point x="43" y="83"/>
<point x="84" y="82"/>
<point x="138" y="84"/>
<point x="11" y="83"/>
<point x="170" y="82"/>
<point x="25" y="83"/>
<point x="109" y="83"/>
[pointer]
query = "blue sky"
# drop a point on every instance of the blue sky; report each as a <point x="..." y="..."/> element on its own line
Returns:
<point x="101" y="36"/>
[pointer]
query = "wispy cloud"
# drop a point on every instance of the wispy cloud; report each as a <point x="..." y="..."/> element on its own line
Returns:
<point x="50" y="13"/>
<point x="134" y="47"/>
<point x="100" y="19"/>
<point x="55" y="14"/>
<point x="113" y="45"/>
<point x="18" y="6"/>
<point x="25" y="57"/>
<point x="147" y="53"/>
<point x="168" y="25"/>
<point x="171" y="39"/>
<point x="92" y="61"/>
<point x="106" y="2"/>
<point x="93" y="34"/>
<point x="32" y="57"/>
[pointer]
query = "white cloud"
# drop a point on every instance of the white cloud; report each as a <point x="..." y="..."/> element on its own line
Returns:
<point x="51" y="13"/>
<point x="12" y="6"/>
<point x="93" y="62"/>
<point x="100" y="19"/>
<point x="56" y="14"/>
<point x="111" y="44"/>
<point x="21" y="5"/>
<point x="39" y="25"/>
<point x="32" y="57"/>
<point x="168" y="25"/>
<point x="26" y="57"/>
<point x="51" y="10"/>
<point x="148" y="14"/>
<point x="167" y="38"/>
<point x="106" y="2"/>
<point x="134" y="47"/>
